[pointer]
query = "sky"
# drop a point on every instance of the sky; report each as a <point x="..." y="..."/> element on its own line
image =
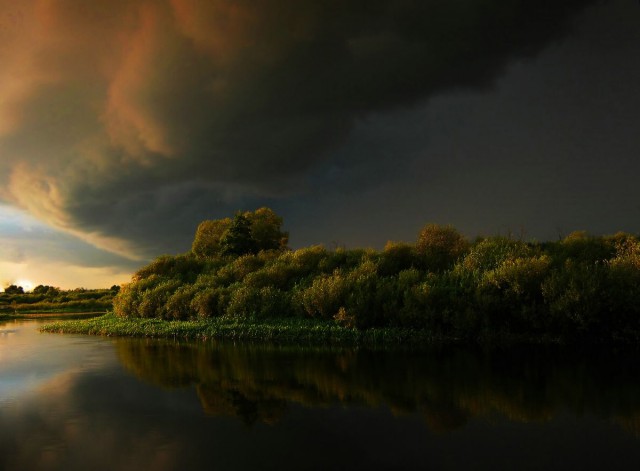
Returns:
<point x="124" y="123"/>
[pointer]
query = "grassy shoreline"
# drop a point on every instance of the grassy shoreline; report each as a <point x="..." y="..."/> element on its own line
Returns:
<point x="298" y="331"/>
<point x="286" y="331"/>
<point x="60" y="313"/>
<point x="48" y="312"/>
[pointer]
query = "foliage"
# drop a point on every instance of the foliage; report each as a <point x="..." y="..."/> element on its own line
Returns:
<point x="398" y="256"/>
<point x="237" y="239"/>
<point x="266" y="229"/>
<point x="13" y="289"/>
<point x="185" y="267"/>
<point x="52" y="299"/>
<point x="510" y="295"/>
<point x="207" y="239"/>
<point x="490" y="253"/>
<point x="290" y="330"/>
<point x="247" y="233"/>
<point x="581" y="287"/>
<point x="583" y="248"/>
<point x="440" y="246"/>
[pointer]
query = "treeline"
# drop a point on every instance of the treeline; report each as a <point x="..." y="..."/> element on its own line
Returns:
<point x="580" y="287"/>
<point x="44" y="298"/>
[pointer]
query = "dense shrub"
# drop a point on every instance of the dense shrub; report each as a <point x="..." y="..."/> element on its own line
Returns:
<point x="206" y="243"/>
<point x="211" y="301"/>
<point x="623" y="288"/>
<point x="184" y="267"/>
<point x="510" y="296"/>
<point x="576" y="298"/>
<point x="178" y="305"/>
<point x="397" y="257"/>
<point x="266" y="229"/>
<point x="326" y="295"/>
<point x="488" y="254"/>
<point x="153" y="301"/>
<point x="248" y="232"/>
<point x="262" y="303"/>
<point x="341" y="259"/>
<point x="239" y="268"/>
<point x="440" y="246"/>
<point x="579" y="287"/>
<point x="445" y="304"/>
<point x="304" y="261"/>
<point x="582" y="248"/>
<point x="126" y="303"/>
<point x="362" y="291"/>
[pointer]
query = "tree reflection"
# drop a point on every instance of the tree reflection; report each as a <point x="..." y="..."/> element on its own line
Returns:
<point x="446" y="386"/>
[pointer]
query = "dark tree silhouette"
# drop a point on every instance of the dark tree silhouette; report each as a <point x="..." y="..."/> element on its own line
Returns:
<point x="237" y="240"/>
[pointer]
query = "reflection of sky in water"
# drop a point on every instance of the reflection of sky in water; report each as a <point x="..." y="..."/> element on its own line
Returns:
<point x="67" y="402"/>
<point x="28" y="358"/>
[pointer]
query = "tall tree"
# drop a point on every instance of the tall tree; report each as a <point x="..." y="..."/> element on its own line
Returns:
<point x="237" y="240"/>
<point x="13" y="289"/>
<point x="266" y="229"/>
<point x="208" y="235"/>
<point x="265" y="232"/>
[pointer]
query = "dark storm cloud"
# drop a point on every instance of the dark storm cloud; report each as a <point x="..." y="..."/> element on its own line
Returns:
<point x="127" y="121"/>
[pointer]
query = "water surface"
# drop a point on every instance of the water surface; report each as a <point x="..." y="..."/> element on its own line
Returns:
<point x="77" y="402"/>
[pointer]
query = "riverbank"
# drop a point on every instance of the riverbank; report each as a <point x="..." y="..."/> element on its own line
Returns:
<point x="581" y="288"/>
<point x="290" y="331"/>
<point x="299" y="331"/>
<point x="59" y="314"/>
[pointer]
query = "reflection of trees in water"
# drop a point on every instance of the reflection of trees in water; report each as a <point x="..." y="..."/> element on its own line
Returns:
<point x="447" y="386"/>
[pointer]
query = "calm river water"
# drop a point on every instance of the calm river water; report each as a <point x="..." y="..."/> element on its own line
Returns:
<point x="80" y="403"/>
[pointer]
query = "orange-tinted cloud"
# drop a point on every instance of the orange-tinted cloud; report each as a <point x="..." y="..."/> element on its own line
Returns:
<point x="125" y="118"/>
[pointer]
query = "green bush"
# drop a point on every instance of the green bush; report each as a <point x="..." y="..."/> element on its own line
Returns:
<point x="266" y="229"/>
<point x="361" y="295"/>
<point x="278" y="274"/>
<point x="178" y="305"/>
<point x="326" y="295"/>
<point x="510" y="296"/>
<point x="576" y="298"/>
<point x="306" y="261"/>
<point x="579" y="287"/>
<point x="444" y="304"/>
<point x="263" y="303"/>
<point x="127" y="302"/>
<point x="440" y="246"/>
<point x="206" y="243"/>
<point x="237" y="269"/>
<point x="582" y="248"/>
<point x="624" y="288"/>
<point x="341" y="259"/>
<point x="397" y="257"/>
<point x="248" y="232"/>
<point x="489" y="253"/>
<point x="211" y="301"/>
<point x="153" y="301"/>
<point x="183" y="267"/>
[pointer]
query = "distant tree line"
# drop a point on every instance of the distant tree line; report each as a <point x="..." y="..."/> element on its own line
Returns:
<point x="580" y="287"/>
<point x="45" y="298"/>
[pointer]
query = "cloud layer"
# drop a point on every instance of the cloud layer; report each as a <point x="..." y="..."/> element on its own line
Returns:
<point x="123" y="121"/>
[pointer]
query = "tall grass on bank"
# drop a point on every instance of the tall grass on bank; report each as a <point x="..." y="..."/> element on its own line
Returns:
<point x="298" y="331"/>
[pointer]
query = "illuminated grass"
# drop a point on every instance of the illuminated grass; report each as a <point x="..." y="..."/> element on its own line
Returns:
<point x="300" y="331"/>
